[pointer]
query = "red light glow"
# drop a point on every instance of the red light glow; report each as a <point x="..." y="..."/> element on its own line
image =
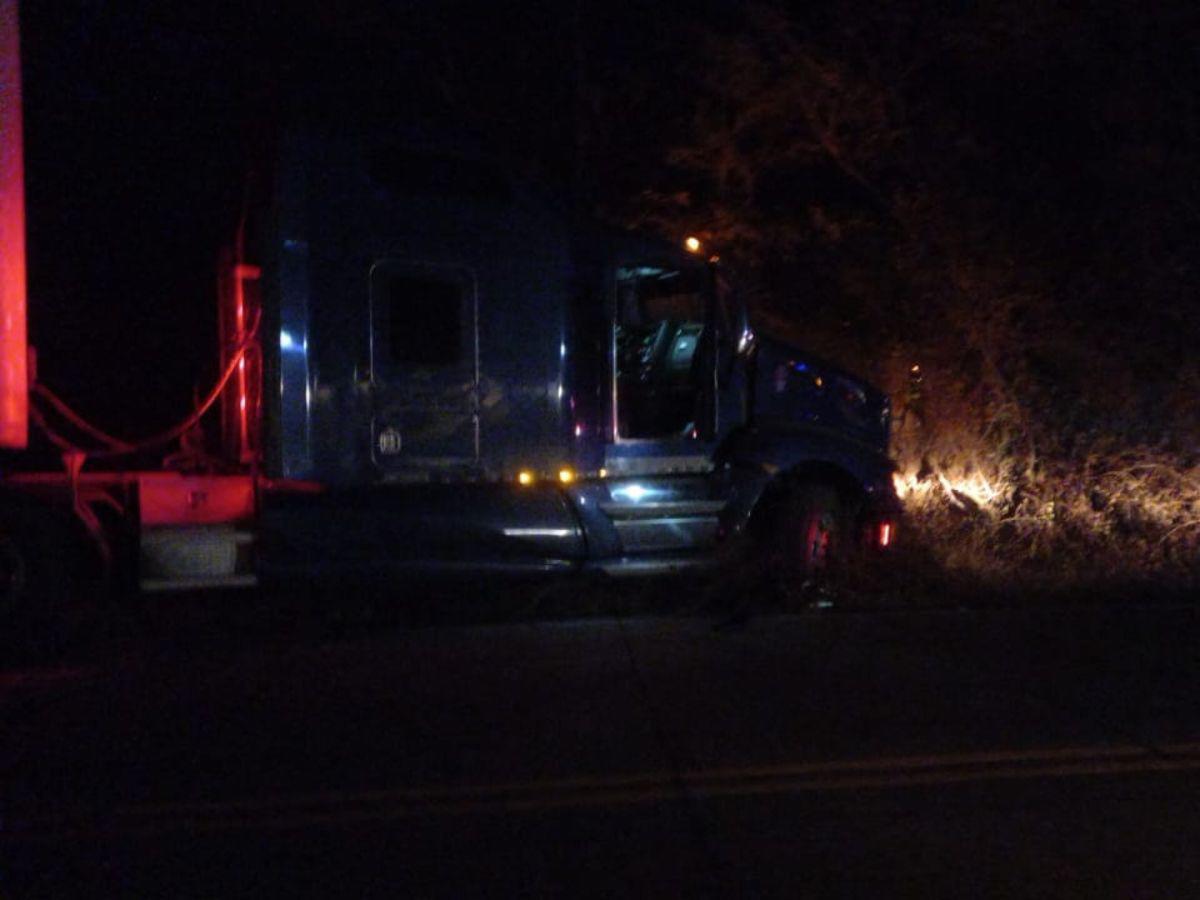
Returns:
<point x="240" y="335"/>
<point x="14" y="383"/>
<point x="166" y="498"/>
<point x="885" y="534"/>
<point x="240" y="306"/>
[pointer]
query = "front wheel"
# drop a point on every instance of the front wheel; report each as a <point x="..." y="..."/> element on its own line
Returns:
<point x="810" y="534"/>
<point x="794" y="551"/>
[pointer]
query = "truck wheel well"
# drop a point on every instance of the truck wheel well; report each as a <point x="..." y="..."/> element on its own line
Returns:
<point x="848" y="488"/>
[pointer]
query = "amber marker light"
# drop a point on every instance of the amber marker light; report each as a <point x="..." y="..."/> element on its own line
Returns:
<point x="565" y="475"/>
<point x="525" y="478"/>
<point x="692" y="243"/>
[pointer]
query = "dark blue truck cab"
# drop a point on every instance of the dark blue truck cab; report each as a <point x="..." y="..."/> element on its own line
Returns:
<point x="459" y="375"/>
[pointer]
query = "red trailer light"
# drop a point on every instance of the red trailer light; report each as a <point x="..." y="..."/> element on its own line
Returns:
<point x="14" y="381"/>
<point x="885" y="535"/>
<point x="240" y="402"/>
<point x="242" y="274"/>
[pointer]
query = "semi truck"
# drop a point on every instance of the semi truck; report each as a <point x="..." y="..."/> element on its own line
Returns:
<point x="429" y="364"/>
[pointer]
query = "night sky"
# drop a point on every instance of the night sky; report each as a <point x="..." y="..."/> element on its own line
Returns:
<point x="129" y="188"/>
<point x="142" y="119"/>
<point x="1064" y="140"/>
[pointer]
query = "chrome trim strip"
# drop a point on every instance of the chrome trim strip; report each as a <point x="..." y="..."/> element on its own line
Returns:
<point x="656" y="465"/>
<point x="697" y="509"/>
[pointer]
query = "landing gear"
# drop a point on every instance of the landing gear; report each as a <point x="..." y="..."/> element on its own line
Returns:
<point x="40" y="564"/>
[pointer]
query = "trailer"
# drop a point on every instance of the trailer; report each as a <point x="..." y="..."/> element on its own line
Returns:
<point x="431" y="365"/>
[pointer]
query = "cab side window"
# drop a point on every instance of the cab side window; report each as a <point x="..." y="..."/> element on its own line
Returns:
<point x="424" y="316"/>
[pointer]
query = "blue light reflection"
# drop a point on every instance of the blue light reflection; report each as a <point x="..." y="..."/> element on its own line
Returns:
<point x="288" y="344"/>
<point x="634" y="493"/>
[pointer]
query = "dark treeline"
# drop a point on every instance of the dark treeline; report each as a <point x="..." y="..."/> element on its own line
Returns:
<point x="1001" y="193"/>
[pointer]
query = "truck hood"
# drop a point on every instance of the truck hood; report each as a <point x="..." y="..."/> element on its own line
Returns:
<point x="796" y="387"/>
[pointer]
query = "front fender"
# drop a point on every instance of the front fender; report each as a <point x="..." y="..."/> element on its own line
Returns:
<point x="766" y="451"/>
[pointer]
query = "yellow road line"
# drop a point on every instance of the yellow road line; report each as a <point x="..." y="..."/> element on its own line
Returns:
<point x="348" y="808"/>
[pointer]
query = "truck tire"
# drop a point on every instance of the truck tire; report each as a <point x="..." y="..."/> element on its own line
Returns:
<point x="796" y="544"/>
<point x="811" y="531"/>
<point x="14" y="573"/>
<point x="38" y="564"/>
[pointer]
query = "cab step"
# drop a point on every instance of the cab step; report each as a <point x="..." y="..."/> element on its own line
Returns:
<point x="195" y="557"/>
<point x="665" y="526"/>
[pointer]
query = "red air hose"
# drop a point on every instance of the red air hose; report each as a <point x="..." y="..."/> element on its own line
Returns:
<point x="115" y="447"/>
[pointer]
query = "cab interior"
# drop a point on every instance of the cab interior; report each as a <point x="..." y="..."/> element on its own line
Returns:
<point x="660" y="352"/>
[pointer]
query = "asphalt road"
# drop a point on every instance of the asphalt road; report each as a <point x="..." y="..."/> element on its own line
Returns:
<point x="944" y="754"/>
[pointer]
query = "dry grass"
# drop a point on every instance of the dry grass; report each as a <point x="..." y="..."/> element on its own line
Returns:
<point x="1097" y="517"/>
